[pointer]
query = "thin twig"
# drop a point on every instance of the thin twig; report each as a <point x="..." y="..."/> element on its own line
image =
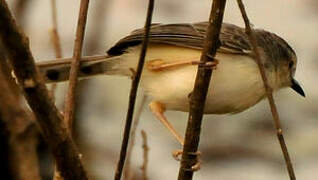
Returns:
<point x="133" y="93"/>
<point x="269" y="91"/>
<point x="55" y="40"/>
<point x="30" y="81"/>
<point x="128" y="173"/>
<point x="93" y="43"/>
<point x="198" y="96"/>
<point x="145" y="148"/>
<point x="75" y="65"/>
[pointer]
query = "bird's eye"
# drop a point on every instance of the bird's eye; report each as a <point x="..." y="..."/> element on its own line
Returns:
<point x="291" y="64"/>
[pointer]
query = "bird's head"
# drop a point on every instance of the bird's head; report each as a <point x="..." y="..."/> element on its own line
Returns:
<point x="286" y="64"/>
<point x="280" y="62"/>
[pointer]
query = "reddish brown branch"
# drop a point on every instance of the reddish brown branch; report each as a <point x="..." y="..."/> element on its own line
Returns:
<point x="269" y="91"/>
<point x="133" y="93"/>
<point x="75" y="65"/>
<point x="22" y="134"/>
<point x="198" y="96"/>
<point x="49" y="118"/>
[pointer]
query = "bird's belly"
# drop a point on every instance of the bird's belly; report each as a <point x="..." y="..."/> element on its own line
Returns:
<point x="235" y="86"/>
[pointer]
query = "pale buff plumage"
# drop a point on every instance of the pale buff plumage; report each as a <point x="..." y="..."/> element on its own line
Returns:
<point x="236" y="83"/>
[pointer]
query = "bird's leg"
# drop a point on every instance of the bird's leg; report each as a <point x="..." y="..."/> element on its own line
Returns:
<point x="158" y="110"/>
<point x="159" y="64"/>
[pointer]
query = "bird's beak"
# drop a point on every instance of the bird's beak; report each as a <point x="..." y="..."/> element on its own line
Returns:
<point x="295" y="86"/>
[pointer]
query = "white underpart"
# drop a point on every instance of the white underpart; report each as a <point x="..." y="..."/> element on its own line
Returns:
<point x="235" y="86"/>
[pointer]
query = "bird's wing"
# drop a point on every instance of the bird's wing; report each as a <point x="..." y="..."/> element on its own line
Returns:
<point x="233" y="38"/>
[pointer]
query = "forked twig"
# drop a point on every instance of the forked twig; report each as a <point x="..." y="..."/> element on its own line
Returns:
<point x="133" y="93"/>
<point x="198" y="96"/>
<point x="30" y="81"/>
<point x="75" y="65"/>
<point x="268" y="90"/>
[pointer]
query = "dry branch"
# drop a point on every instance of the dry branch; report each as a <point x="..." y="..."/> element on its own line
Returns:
<point x="75" y="65"/>
<point x="133" y="93"/>
<point x="49" y="118"/>
<point x="269" y="91"/>
<point x="22" y="133"/>
<point x="198" y="96"/>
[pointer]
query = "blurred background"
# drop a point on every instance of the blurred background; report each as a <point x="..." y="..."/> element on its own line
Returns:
<point x="241" y="146"/>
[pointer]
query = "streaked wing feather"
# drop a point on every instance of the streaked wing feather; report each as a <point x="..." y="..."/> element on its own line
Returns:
<point x="233" y="38"/>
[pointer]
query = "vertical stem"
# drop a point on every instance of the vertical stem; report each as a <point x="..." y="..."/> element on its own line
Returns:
<point x="268" y="90"/>
<point x="198" y="96"/>
<point x="133" y="93"/>
<point x="75" y="65"/>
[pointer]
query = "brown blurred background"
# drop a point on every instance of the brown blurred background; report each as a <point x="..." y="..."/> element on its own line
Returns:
<point x="241" y="146"/>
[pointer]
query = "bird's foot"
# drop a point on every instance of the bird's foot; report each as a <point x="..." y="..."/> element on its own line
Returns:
<point x="197" y="166"/>
<point x="209" y="65"/>
<point x="156" y="65"/>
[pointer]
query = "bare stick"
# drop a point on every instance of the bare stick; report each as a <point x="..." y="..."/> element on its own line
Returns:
<point x="133" y="93"/>
<point x="269" y="91"/>
<point x="49" y="118"/>
<point x="198" y="96"/>
<point x="78" y="46"/>
<point x="55" y="39"/>
<point x="145" y="155"/>
<point x="128" y="173"/>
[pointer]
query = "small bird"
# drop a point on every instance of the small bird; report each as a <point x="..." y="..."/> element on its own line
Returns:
<point x="171" y="64"/>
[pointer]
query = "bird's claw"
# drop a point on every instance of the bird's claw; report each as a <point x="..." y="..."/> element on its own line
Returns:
<point x="176" y="154"/>
<point x="197" y="166"/>
<point x="209" y="64"/>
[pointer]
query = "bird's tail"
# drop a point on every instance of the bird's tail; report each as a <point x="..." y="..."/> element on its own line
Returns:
<point x="58" y="70"/>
